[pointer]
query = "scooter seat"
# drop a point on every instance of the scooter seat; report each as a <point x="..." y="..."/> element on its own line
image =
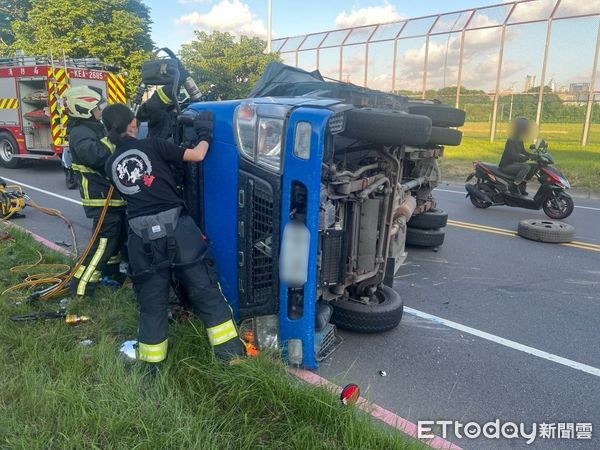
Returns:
<point x="496" y="171"/>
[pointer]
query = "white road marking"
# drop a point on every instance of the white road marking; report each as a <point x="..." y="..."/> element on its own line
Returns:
<point x="465" y="193"/>
<point x="62" y="197"/>
<point x="505" y="342"/>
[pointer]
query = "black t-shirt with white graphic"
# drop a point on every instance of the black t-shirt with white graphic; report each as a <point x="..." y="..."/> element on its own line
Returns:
<point x="142" y="171"/>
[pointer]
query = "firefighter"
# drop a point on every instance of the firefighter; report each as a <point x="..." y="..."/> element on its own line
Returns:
<point x="90" y="149"/>
<point x="164" y="242"/>
<point x="158" y="111"/>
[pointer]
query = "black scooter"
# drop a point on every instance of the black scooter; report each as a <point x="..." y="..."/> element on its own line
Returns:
<point x="491" y="187"/>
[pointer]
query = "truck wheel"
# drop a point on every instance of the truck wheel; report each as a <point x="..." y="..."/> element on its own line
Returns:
<point x="440" y="115"/>
<point x="8" y="148"/>
<point x="551" y="231"/>
<point x="445" y="136"/>
<point x="434" y="218"/>
<point x="424" y="238"/>
<point x="371" y="318"/>
<point x="388" y="127"/>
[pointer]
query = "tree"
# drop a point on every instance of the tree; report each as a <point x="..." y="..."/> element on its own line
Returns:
<point x="10" y="11"/>
<point x="226" y="67"/>
<point x="116" y="31"/>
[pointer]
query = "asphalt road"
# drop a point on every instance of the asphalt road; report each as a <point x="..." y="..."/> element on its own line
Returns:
<point x="497" y="327"/>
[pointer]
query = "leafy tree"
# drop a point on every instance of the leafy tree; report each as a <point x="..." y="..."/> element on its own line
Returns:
<point x="116" y="31"/>
<point x="225" y="67"/>
<point x="10" y="11"/>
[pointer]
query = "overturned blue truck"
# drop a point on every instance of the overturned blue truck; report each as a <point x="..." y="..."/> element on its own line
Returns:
<point x="308" y="195"/>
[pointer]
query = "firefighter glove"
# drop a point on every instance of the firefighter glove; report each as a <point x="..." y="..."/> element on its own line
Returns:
<point x="203" y="126"/>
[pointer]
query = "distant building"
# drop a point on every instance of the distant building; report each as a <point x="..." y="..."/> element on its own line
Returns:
<point x="529" y="83"/>
<point x="580" y="91"/>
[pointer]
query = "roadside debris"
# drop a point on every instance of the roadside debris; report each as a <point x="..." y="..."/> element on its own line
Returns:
<point x="382" y="373"/>
<point x="350" y="394"/>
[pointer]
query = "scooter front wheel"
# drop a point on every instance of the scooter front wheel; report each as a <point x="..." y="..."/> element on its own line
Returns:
<point x="559" y="206"/>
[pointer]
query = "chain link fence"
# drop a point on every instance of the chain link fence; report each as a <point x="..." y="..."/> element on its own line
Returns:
<point x="536" y="58"/>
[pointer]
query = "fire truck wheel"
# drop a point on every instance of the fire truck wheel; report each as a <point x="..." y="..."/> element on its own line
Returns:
<point x="8" y="148"/>
<point x="374" y="317"/>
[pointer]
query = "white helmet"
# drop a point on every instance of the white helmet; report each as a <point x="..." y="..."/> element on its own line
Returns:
<point x="81" y="100"/>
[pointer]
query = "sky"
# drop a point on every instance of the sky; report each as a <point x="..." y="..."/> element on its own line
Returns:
<point x="570" y="57"/>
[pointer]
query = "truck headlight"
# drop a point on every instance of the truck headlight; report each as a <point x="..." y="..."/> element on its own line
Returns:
<point x="245" y="127"/>
<point x="270" y="134"/>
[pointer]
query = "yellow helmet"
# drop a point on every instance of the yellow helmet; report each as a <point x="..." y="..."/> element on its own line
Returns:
<point x="81" y="100"/>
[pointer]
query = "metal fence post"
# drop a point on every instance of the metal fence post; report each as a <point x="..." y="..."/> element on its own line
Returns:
<point x="426" y="60"/>
<point x="591" y="94"/>
<point x="461" y="58"/>
<point x="394" y="63"/>
<point x="538" y="114"/>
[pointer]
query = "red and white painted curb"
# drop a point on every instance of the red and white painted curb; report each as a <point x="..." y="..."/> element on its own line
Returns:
<point x="378" y="412"/>
<point x="42" y="240"/>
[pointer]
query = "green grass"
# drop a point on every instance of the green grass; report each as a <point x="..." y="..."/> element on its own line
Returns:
<point x="581" y="165"/>
<point x="56" y="393"/>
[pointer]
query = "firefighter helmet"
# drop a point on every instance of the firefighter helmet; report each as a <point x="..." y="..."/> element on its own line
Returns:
<point x="81" y="100"/>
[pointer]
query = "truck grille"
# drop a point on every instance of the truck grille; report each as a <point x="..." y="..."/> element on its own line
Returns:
<point x="258" y="245"/>
<point x="261" y="262"/>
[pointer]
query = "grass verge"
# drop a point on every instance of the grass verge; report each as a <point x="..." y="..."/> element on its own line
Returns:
<point x="57" y="393"/>
<point x="580" y="165"/>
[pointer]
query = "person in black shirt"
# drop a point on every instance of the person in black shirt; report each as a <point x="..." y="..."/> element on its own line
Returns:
<point x="164" y="242"/>
<point x="514" y="157"/>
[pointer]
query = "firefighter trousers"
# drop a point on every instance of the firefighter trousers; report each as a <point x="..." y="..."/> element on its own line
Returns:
<point x="105" y="254"/>
<point x="182" y="257"/>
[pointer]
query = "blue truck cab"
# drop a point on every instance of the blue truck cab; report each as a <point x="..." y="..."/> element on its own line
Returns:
<point x="306" y="196"/>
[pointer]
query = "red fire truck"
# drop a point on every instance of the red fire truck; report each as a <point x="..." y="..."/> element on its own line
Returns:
<point x="32" y="117"/>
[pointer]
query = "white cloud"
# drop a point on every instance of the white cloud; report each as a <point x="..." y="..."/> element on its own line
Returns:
<point x="228" y="16"/>
<point x="367" y="16"/>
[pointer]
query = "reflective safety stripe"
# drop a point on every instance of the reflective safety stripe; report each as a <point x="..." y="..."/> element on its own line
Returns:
<point x="221" y="333"/>
<point x="84" y="188"/>
<point x="81" y="168"/>
<point x="109" y="144"/>
<point x="89" y="272"/>
<point x="164" y="97"/>
<point x="79" y="272"/>
<point x="114" y="259"/>
<point x="100" y="202"/>
<point x="152" y="352"/>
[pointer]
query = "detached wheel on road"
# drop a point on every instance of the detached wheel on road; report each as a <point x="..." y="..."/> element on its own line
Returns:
<point x="551" y="231"/>
<point x="8" y="148"/>
<point x="383" y="315"/>
<point x="388" y="127"/>
<point x="445" y="136"/>
<point x="417" y="237"/>
<point x="440" y="115"/>
<point x="434" y="218"/>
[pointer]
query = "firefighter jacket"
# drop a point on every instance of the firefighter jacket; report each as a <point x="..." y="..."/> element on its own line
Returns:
<point x="90" y="149"/>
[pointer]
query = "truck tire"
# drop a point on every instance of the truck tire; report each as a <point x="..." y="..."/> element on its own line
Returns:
<point x="440" y="115"/>
<point x="388" y="127"/>
<point x="9" y="148"/>
<point x="445" y="136"/>
<point x="371" y="318"/>
<point x="429" y="220"/>
<point x="417" y="237"/>
<point x="551" y="231"/>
